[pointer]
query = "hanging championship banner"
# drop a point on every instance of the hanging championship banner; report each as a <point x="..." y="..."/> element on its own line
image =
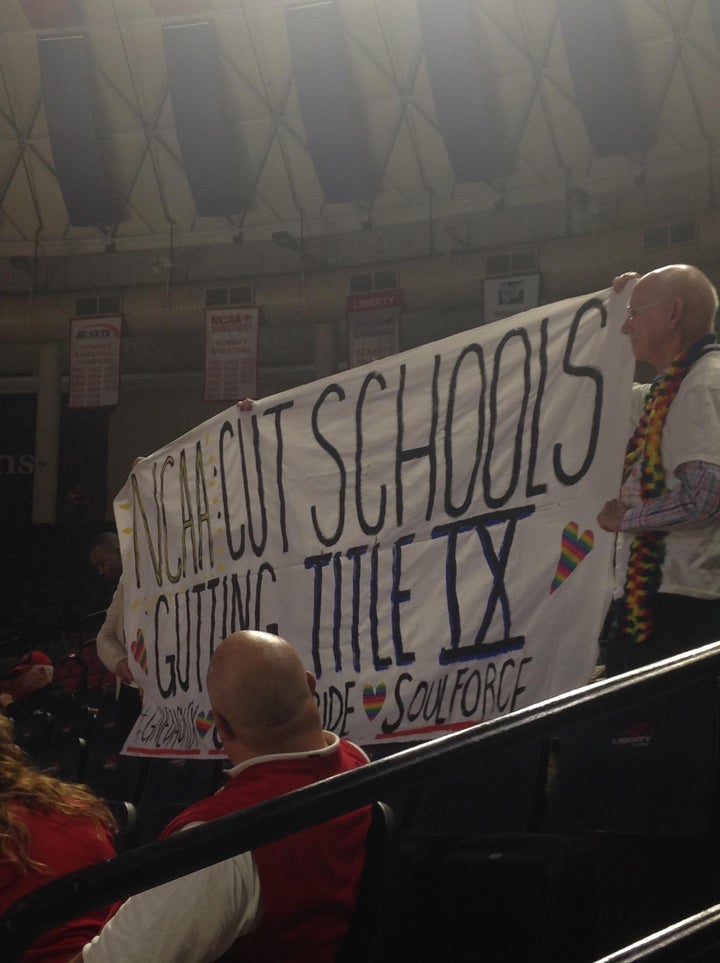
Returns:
<point x="373" y="326"/>
<point x="231" y="353"/>
<point x="503" y="297"/>
<point x="95" y="362"/>
<point x="422" y="528"/>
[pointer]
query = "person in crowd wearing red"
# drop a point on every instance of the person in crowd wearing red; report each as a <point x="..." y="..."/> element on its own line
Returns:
<point x="35" y="690"/>
<point x="290" y="901"/>
<point x="47" y="828"/>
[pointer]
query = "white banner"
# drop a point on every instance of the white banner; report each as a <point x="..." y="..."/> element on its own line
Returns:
<point x="423" y="530"/>
<point x="95" y="362"/>
<point x="503" y="297"/>
<point x="373" y="326"/>
<point x="231" y="353"/>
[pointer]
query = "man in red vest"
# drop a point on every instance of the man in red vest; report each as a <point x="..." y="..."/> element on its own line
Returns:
<point x="289" y="901"/>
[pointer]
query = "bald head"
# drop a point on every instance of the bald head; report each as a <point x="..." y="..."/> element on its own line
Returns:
<point x="698" y="294"/>
<point x="670" y="309"/>
<point x="36" y="677"/>
<point x="262" y="697"/>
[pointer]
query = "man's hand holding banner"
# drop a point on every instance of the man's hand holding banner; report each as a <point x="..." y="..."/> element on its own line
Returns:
<point x="421" y="528"/>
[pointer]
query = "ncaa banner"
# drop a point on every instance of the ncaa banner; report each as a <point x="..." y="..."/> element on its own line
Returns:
<point x="373" y="326"/>
<point x="231" y="353"/>
<point x="95" y="362"/>
<point x="422" y="529"/>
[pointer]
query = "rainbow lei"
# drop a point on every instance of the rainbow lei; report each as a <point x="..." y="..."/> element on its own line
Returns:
<point x="647" y="549"/>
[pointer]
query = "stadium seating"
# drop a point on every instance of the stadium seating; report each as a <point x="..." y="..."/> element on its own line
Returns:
<point x="604" y="815"/>
<point x="373" y="928"/>
<point x="32" y="733"/>
<point x="71" y="673"/>
<point x="63" y="758"/>
<point x="169" y="787"/>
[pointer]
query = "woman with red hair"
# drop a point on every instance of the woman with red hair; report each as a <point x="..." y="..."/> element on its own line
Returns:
<point x="47" y="828"/>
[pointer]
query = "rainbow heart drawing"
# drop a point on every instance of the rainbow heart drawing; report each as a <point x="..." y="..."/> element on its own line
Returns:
<point x="373" y="699"/>
<point x="203" y="723"/>
<point x="137" y="647"/>
<point x="573" y="549"/>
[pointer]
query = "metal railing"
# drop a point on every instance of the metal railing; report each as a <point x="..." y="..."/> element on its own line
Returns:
<point x="150" y="865"/>
<point x="689" y="939"/>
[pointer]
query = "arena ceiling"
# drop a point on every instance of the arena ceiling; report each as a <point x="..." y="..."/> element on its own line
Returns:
<point x="549" y="148"/>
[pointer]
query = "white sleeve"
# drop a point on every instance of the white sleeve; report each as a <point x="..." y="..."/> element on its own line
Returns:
<point x="110" y="641"/>
<point x="194" y="919"/>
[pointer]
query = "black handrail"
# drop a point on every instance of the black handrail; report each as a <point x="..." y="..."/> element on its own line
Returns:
<point x="684" y="940"/>
<point x="70" y="896"/>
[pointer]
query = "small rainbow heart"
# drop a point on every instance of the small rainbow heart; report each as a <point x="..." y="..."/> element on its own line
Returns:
<point x="137" y="647"/>
<point x="203" y="723"/>
<point x="373" y="699"/>
<point x="573" y="549"/>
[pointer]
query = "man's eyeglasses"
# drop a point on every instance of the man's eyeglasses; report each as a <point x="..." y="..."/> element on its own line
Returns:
<point x="632" y="312"/>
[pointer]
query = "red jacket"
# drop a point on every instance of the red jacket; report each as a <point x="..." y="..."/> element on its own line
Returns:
<point x="62" y="844"/>
<point x="309" y="880"/>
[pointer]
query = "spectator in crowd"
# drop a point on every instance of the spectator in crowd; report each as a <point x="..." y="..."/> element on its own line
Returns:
<point x="668" y="511"/>
<point x="105" y="557"/>
<point x="47" y="828"/>
<point x="289" y="900"/>
<point x="37" y="692"/>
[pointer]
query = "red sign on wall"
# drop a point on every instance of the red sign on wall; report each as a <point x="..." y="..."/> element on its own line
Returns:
<point x="95" y="362"/>
<point x="373" y="326"/>
<point x="231" y="353"/>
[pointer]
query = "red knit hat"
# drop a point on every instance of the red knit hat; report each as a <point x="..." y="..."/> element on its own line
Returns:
<point x="34" y="657"/>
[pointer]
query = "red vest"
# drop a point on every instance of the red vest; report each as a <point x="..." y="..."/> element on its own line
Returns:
<point x="62" y="844"/>
<point x="309" y="880"/>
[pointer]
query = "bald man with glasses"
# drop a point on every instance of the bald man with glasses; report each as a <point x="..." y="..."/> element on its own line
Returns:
<point x="667" y="515"/>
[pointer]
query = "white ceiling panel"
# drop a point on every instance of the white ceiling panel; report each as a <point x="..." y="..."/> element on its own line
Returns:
<point x="672" y="44"/>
